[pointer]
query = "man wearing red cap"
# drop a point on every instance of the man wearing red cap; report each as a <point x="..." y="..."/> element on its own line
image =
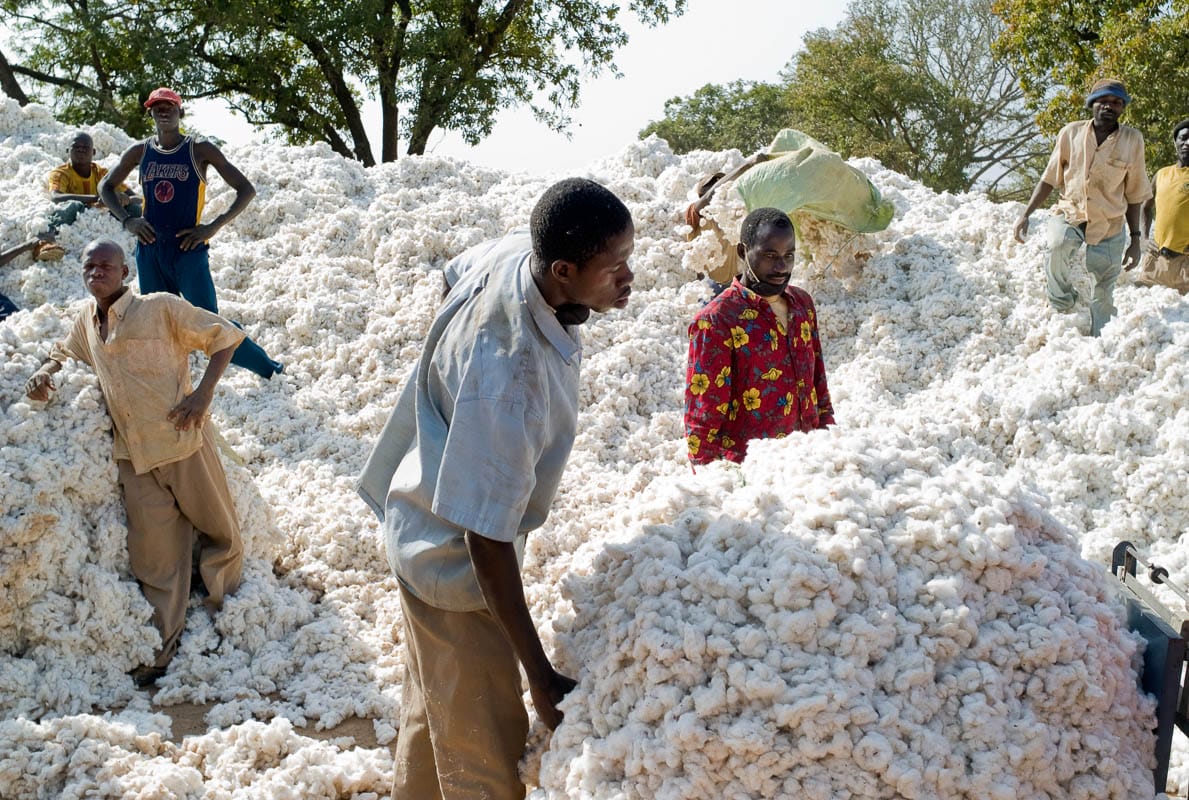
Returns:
<point x="1098" y="165"/>
<point x="172" y="254"/>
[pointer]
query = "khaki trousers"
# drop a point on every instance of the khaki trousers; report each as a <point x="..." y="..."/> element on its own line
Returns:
<point x="1159" y="269"/>
<point x="462" y="721"/>
<point x="167" y="506"/>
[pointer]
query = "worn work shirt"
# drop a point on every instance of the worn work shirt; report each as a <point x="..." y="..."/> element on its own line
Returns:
<point x="748" y="377"/>
<point x="64" y="179"/>
<point x="482" y="429"/>
<point x="144" y="369"/>
<point x="1172" y="208"/>
<point x="1097" y="181"/>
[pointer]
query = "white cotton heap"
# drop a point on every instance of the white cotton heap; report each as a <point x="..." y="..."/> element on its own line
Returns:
<point x="961" y="399"/>
<point x="859" y="619"/>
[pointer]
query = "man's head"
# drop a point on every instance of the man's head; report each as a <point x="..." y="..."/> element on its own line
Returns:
<point x="82" y="151"/>
<point x="582" y="237"/>
<point x="1106" y="100"/>
<point x="165" y="107"/>
<point x="104" y="269"/>
<point x="1180" y="142"/>
<point x="767" y="245"/>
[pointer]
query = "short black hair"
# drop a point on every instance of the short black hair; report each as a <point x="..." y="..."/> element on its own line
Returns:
<point x="573" y="221"/>
<point x="758" y="219"/>
<point x="1180" y="126"/>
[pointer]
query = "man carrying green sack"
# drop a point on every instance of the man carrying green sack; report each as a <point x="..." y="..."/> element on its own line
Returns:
<point x="830" y="202"/>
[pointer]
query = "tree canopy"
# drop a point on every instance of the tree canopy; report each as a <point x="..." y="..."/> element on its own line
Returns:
<point x="913" y="83"/>
<point x="1059" y="49"/>
<point x="309" y="65"/>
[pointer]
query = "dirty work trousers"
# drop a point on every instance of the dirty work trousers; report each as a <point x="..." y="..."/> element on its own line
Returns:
<point x="462" y="720"/>
<point x="1164" y="268"/>
<point x="1104" y="262"/>
<point x="167" y="507"/>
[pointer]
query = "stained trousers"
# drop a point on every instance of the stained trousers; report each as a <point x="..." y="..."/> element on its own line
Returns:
<point x="168" y="507"/>
<point x="1104" y="262"/>
<point x="164" y="267"/>
<point x="462" y="721"/>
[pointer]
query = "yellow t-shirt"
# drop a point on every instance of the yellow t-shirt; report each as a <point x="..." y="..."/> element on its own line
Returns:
<point x="65" y="180"/>
<point x="1172" y="208"/>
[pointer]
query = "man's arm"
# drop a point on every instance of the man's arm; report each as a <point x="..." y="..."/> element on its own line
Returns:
<point x="109" y="193"/>
<point x="1039" y="195"/>
<point x="704" y="200"/>
<point x="1150" y="211"/>
<point x="1131" y="257"/>
<point x="40" y="385"/>
<point x="708" y="378"/>
<point x="193" y="407"/>
<point x="207" y="153"/>
<point x="13" y="252"/>
<point x="498" y="573"/>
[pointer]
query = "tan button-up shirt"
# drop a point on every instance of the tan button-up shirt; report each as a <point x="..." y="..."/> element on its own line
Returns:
<point x="144" y="369"/>
<point x="1097" y="181"/>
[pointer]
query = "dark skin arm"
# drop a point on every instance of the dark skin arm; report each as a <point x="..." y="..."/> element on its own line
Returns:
<point x="41" y="384"/>
<point x="1149" y="214"/>
<point x="499" y="579"/>
<point x="108" y="193"/>
<point x="1039" y="195"/>
<point x="191" y="411"/>
<point x="758" y="158"/>
<point x="13" y="252"/>
<point x="206" y="153"/>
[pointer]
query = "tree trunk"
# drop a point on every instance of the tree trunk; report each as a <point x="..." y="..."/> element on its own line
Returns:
<point x="8" y="82"/>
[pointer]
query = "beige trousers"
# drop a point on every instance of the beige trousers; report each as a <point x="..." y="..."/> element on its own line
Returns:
<point x="167" y="507"/>
<point x="1157" y="269"/>
<point x="462" y="720"/>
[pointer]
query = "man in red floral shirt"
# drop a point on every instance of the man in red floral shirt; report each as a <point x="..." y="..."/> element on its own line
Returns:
<point x="755" y="361"/>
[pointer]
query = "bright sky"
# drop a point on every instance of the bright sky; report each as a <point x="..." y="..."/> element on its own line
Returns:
<point x="753" y="41"/>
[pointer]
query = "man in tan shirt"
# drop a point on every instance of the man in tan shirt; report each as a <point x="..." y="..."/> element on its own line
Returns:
<point x="173" y="482"/>
<point x="1098" y="165"/>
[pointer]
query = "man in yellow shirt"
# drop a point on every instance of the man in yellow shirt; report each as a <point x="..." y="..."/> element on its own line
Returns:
<point x="1166" y="263"/>
<point x="175" y="490"/>
<point x="1098" y="165"/>
<point x="74" y="186"/>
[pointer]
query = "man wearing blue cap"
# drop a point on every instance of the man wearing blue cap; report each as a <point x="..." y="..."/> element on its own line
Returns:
<point x="1098" y="165"/>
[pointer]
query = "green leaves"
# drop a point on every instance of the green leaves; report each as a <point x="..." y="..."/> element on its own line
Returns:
<point x="308" y="66"/>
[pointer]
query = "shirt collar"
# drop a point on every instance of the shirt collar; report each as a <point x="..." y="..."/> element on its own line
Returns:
<point x="118" y="308"/>
<point x="545" y="317"/>
<point x="756" y="297"/>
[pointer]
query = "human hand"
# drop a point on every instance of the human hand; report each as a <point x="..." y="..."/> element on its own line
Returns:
<point x="198" y="235"/>
<point x="141" y="229"/>
<point x="547" y="693"/>
<point x="1021" y="229"/>
<point x="40" y="386"/>
<point x="1131" y="257"/>
<point x="191" y="411"/>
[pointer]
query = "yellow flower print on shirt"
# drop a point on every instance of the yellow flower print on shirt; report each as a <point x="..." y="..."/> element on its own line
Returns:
<point x="734" y="412"/>
<point x="723" y="408"/>
<point x="698" y="384"/>
<point x="751" y="399"/>
<point x="813" y="398"/>
<point x="738" y="338"/>
<point x="788" y="403"/>
<point x="774" y="339"/>
<point x="727" y="442"/>
<point x="694" y="444"/>
<point x="749" y="313"/>
<point x="806" y="332"/>
<point x="772" y="374"/>
<point x="703" y="324"/>
<point x="723" y="378"/>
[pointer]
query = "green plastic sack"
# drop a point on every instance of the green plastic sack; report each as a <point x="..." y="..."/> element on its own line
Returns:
<point x="804" y="175"/>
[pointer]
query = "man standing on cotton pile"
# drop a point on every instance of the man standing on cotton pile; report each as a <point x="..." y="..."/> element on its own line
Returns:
<point x="755" y="368"/>
<point x="467" y="464"/>
<point x="1166" y="263"/>
<point x="173" y="482"/>
<point x="1098" y="165"/>
<point x="172" y="254"/>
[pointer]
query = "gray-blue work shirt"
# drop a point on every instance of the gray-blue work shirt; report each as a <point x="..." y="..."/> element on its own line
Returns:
<point x="482" y="429"/>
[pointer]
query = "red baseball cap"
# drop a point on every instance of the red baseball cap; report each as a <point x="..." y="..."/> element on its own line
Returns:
<point x="163" y="95"/>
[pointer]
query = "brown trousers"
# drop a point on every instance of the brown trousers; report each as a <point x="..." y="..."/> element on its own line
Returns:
<point x="167" y="506"/>
<point x="462" y="720"/>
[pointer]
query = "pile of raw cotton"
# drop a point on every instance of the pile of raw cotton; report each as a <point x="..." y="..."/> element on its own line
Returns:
<point x="894" y="607"/>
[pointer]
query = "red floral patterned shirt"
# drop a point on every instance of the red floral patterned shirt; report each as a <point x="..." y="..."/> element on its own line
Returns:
<point x="748" y="377"/>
